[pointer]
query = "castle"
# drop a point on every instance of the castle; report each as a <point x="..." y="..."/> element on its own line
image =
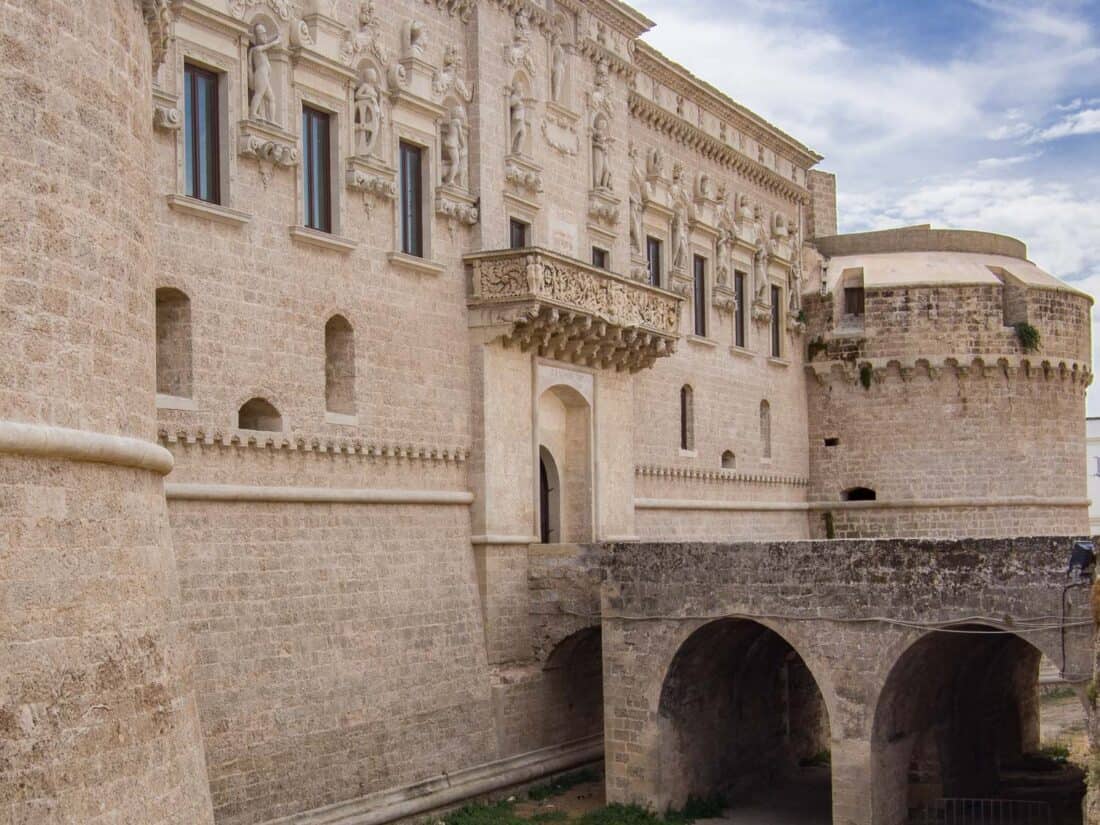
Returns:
<point x="341" y="337"/>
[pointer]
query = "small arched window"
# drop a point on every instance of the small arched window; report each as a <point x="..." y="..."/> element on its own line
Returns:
<point x="687" y="418"/>
<point x="173" y="343"/>
<point x="729" y="460"/>
<point x="339" y="366"/>
<point x="860" y="494"/>
<point x="259" y="414"/>
<point x="766" y="429"/>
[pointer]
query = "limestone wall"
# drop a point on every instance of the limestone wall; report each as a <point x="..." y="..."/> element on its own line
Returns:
<point x="98" y="721"/>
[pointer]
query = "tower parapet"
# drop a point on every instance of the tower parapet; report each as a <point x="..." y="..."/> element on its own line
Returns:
<point x="939" y="356"/>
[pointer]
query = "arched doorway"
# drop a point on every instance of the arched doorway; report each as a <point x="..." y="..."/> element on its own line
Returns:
<point x="565" y="466"/>
<point x="956" y="734"/>
<point x="549" y="498"/>
<point x="742" y="721"/>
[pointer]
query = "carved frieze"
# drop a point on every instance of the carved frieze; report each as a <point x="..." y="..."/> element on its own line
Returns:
<point x="158" y="19"/>
<point x="456" y="207"/>
<point x="240" y="8"/>
<point x="376" y="181"/>
<point x="569" y="311"/>
<point x="561" y="136"/>
<point x="603" y="207"/>
<point x="270" y="146"/>
<point x="523" y="174"/>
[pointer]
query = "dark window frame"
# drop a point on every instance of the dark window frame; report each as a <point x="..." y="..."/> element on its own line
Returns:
<point x="317" y="169"/>
<point x="412" y="198"/>
<point x="739" y="314"/>
<point x="854" y="301"/>
<point x="653" y="254"/>
<point x="523" y="230"/>
<point x="202" y="131"/>
<point x="601" y="258"/>
<point x="699" y="292"/>
<point x="777" y="316"/>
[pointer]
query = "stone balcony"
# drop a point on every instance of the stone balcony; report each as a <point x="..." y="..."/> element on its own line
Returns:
<point x="566" y="310"/>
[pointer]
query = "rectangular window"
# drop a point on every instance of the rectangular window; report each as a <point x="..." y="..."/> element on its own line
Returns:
<point x="853" y="300"/>
<point x="699" y="271"/>
<point x="653" y="260"/>
<point x="412" y="200"/>
<point x="316" y="170"/>
<point x="200" y="134"/>
<point x="599" y="258"/>
<point x="777" y="314"/>
<point x="517" y="234"/>
<point x="739" y="315"/>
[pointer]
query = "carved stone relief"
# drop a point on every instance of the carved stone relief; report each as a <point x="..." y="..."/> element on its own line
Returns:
<point x="561" y="136"/>
<point x="448" y="78"/>
<point x="368" y="113"/>
<point x="454" y="143"/>
<point x="518" y="52"/>
<point x="240" y="8"/>
<point x="262" y="104"/>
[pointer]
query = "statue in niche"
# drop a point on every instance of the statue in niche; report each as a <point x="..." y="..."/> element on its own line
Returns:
<point x="654" y="163"/>
<point x="637" y="205"/>
<point x="262" y="106"/>
<point x="679" y="238"/>
<point x="414" y="40"/>
<point x="725" y="257"/>
<point x="745" y="213"/>
<point x="455" y="146"/>
<point x="702" y="187"/>
<point x="368" y="113"/>
<point x="760" y="273"/>
<point x="601" y="161"/>
<point x="517" y="117"/>
<point x="779" y="228"/>
<point x="557" y="68"/>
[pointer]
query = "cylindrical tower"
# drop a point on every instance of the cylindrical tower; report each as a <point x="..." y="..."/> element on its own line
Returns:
<point x="947" y="397"/>
<point x="97" y="720"/>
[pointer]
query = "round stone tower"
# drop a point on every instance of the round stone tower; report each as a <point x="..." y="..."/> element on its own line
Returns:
<point x="948" y="386"/>
<point x="97" y="719"/>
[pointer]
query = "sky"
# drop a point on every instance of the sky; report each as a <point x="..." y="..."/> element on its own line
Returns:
<point x="966" y="114"/>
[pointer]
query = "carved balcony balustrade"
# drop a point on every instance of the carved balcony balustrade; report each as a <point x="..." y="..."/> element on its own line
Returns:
<point x="569" y="311"/>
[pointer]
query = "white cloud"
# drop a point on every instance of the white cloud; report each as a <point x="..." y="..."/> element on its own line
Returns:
<point x="1012" y="160"/>
<point x="1009" y="131"/>
<point x="1043" y="21"/>
<point x="1084" y="122"/>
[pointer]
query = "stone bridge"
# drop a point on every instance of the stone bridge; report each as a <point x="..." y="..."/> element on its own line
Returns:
<point x="726" y="666"/>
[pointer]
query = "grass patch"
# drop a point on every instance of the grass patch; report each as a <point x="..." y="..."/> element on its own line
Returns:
<point x="697" y="808"/>
<point x="1056" y="695"/>
<point x="1055" y="752"/>
<point x="621" y="815"/>
<point x="561" y="784"/>
<point x="493" y="813"/>
<point x="550" y="816"/>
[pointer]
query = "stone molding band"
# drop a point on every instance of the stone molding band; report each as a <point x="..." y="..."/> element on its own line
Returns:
<point x="449" y="789"/>
<point x="898" y="504"/>
<point x="46" y="441"/>
<point x="312" y="495"/>
<point x="491" y="539"/>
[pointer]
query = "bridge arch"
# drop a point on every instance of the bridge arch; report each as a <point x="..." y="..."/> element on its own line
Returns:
<point x="740" y="710"/>
<point x="957" y="717"/>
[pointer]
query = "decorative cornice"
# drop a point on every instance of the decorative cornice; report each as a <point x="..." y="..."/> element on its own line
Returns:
<point x="719" y="476"/>
<point x="45" y="441"/>
<point x="462" y="9"/>
<point x="316" y="444"/>
<point x="680" y="80"/>
<point x="693" y="137"/>
<point x="1005" y="366"/>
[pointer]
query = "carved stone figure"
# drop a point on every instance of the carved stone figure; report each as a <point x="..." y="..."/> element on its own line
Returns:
<point x="745" y="213"/>
<point x="601" y="161"/>
<point x="702" y="187"/>
<point x="725" y="257"/>
<point x="517" y="117"/>
<point x="414" y="40"/>
<point x="679" y="239"/>
<point x="455" y="146"/>
<point x="654" y="163"/>
<point x="601" y="93"/>
<point x="259" y="64"/>
<point x="760" y="273"/>
<point x="779" y="226"/>
<point x="557" y="69"/>
<point x="449" y="77"/>
<point x="366" y="39"/>
<point x="518" y="52"/>
<point x="637" y="203"/>
<point x="368" y="113"/>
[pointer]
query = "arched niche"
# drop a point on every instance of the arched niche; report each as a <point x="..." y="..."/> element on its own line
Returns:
<point x="259" y="414"/>
<point x="174" y="362"/>
<point x="565" y="437"/>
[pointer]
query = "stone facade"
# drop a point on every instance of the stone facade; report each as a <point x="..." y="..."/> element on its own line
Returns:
<point x="358" y="588"/>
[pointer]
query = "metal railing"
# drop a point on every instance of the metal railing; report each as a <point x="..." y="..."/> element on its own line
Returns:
<point x="982" y="812"/>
